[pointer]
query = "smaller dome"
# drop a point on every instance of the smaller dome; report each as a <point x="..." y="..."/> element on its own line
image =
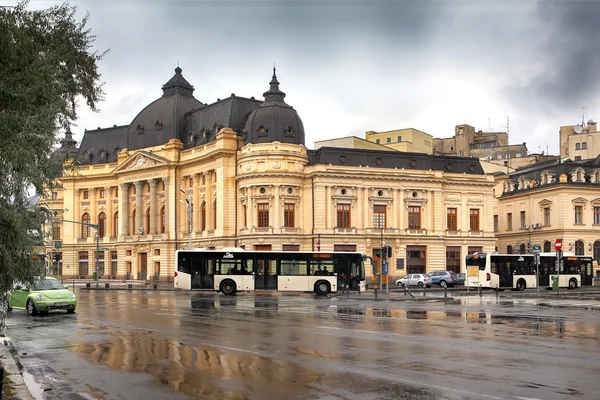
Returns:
<point x="274" y="120"/>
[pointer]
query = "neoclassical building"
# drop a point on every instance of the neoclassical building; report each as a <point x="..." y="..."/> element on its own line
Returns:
<point x="243" y="166"/>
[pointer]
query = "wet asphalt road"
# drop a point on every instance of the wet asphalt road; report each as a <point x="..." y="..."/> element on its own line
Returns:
<point x="158" y="345"/>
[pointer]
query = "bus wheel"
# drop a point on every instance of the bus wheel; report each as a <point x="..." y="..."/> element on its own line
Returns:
<point x="521" y="284"/>
<point x="228" y="287"/>
<point x="322" y="288"/>
<point x="572" y="284"/>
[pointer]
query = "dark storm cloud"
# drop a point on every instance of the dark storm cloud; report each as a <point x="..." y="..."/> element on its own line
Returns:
<point x="569" y="54"/>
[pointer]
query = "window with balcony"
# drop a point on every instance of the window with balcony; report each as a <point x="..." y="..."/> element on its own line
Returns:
<point x="474" y="219"/>
<point x="56" y="231"/>
<point x="263" y="215"/>
<point x="414" y="217"/>
<point x="343" y="216"/>
<point x="85" y="229"/>
<point x="289" y="215"/>
<point x="452" y="219"/>
<point x="378" y="216"/>
<point x="578" y="214"/>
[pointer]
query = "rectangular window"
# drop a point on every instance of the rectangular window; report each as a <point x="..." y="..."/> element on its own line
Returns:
<point x="577" y="158"/>
<point x="100" y="256"/>
<point x="453" y="258"/>
<point x="56" y="231"/>
<point x="377" y="141"/>
<point x="578" y="214"/>
<point x="263" y="215"/>
<point x="547" y="216"/>
<point x="596" y="215"/>
<point x="399" y="139"/>
<point x="389" y="140"/>
<point x="414" y="217"/>
<point x="509" y="221"/>
<point x="474" y="249"/>
<point x="496" y="228"/>
<point x="289" y="215"/>
<point x="86" y="194"/>
<point x="245" y="211"/>
<point x="452" y="219"/>
<point x="54" y="195"/>
<point x="523" y="220"/>
<point x="83" y="263"/>
<point x="474" y="219"/>
<point x="584" y="145"/>
<point x="113" y="263"/>
<point x="290" y="247"/>
<point x="101" y="193"/>
<point x="378" y="216"/>
<point x="577" y="146"/>
<point x="343" y="216"/>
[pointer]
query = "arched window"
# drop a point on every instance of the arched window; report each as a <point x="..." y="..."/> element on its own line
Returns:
<point x="522" y="248"/>
<point x="101" y="224"/>
<point x="579" y="251"/>
<point x="203" y="216"/>
<point x="116" y="224"/>
<point x="547" y="246"/>
<point x="162" y="219"/>
<point x="147" y="221"/>
<point x="509" y="249"/>
<point x="214" y="212"/>
<point x="578" y="176"/>
<point x="85" y="229"/>
<point x="597" y="250"/>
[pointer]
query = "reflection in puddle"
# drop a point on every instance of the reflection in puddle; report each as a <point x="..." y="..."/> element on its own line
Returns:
<point x="201" y="372"/>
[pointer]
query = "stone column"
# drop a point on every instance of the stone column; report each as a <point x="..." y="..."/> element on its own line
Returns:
<point x="124" y="209"/>
<point x="139" y="186"/>
<point x="109" y="216"/>
<point x="209" y="199"/>
<point x="77" y="215"/>
<point x="250" y="208"/>
<point x="277" y="210"/>
<point x="167" y="204"/>
<point x="153" y="213"/>
<point x="196" y="203"/>
<point x="328" y="214"/>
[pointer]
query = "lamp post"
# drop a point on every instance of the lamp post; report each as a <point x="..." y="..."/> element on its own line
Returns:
<point x="189" y="205"/>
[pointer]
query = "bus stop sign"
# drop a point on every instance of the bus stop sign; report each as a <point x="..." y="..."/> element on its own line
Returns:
<point x="536" y="248"/>
<point x="558" y="244"/>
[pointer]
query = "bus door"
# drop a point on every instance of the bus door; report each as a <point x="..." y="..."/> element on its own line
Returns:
<point x="546" y="268"/>
<point x="196" y="271"/>
<point x="202" y="270"/>
<point x="266" y="274"/>
<point x="505" y="272"/>
<point x="587" y="273"/>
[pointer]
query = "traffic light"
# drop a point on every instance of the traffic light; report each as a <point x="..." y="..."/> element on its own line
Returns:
<point x="56" y="257"/>
<point x="388" y="251"/>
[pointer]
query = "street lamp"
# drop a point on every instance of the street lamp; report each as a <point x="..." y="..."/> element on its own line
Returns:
<point x="189" y="205"/>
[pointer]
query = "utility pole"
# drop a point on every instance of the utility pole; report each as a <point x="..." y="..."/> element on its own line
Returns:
<point x="189" y="205"/>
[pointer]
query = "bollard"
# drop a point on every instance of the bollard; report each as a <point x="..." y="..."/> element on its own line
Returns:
<point x="375" y="291"/>
<point x="480" y="291"/>
<point x="130" y="286"/>
<point x="87" y="285"/>
<point x="424" y="291"/>
<point x="497" y="294"/>
<point x="445" y="291"/>
<point x="106" y="285"/>
<point x="405" y="290"/>
<point x="155" y="286"/>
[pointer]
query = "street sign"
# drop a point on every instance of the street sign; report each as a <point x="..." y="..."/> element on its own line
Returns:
<point x="537" y="248"/>
<point x="385" y="268"/>
<point x="102" y="249"/>
<point x="558" y="244"/>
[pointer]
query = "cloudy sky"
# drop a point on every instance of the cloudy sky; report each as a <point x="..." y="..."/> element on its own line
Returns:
<point x="353" y="66"/>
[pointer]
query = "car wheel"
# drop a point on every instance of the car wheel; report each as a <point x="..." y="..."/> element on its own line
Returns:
<point x="443" y="283"/>
<point x="420" y="284"/>
<point x="7" y="306"/>
<point x="399" y="284"/>
<point x="572" y="284"/>
<point x="322" y="288"/>
<point x="71" y="311"/>
<point x="31" y="308"/>
<point x="521" y="285"/>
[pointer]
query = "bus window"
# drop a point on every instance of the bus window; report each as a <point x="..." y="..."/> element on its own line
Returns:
<point x="321" y="267"/>
<point x="232" y="267"/>
<point x="293" y="267"/>
<point x="183" y="264"/>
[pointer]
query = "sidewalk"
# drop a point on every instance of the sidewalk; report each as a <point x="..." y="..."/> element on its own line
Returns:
<point x="115" y="284"/>
<point x="14" y="385"/>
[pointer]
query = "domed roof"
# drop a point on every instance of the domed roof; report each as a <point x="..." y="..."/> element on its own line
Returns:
<point x="164" y="118"/>
<point x="274" y="120"/>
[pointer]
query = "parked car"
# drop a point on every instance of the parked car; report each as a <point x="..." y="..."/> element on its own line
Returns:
<point x="44" y="295"/>
<point x="460" y="278"/>
<point x="443" y="278"/>
<point x="415" y="280"/>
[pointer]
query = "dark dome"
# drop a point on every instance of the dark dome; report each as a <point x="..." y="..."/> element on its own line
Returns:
<point x="274" y="120"/>
<point x="164" y="118"/>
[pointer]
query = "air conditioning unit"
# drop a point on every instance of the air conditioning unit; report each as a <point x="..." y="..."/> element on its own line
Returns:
<point x="526" y="226"/>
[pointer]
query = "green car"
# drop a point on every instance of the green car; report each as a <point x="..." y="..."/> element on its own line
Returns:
<point x="45" y="295"/>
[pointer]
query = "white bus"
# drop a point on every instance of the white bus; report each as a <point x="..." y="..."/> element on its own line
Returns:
<point x="518" y="271"/>
<point x="230" y="271"/>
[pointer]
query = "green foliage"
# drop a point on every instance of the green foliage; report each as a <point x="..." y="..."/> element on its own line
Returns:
<point x="46" y="65"/>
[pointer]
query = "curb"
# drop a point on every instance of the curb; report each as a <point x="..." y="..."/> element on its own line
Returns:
<point x="12" y="370"/>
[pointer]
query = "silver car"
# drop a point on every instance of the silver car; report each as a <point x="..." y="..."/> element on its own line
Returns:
<point x="415" y="280"/>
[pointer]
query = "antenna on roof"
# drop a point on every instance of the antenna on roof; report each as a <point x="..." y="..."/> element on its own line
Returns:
<point x="489" y="125"/>
<point x="583" y="116"/>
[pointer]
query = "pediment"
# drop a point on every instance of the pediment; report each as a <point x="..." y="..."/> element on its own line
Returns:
<point x="545" y="203"/>
<point x="595" y="202"/>
<point x="579" y="200"/>
<point x="139" y="161"/>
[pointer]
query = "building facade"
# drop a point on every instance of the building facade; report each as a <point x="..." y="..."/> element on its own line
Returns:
<point x="579" y="142"/>
<point x="407" y="140"/>
<point x="548" y="201"/>
<point x="236" y="173"/>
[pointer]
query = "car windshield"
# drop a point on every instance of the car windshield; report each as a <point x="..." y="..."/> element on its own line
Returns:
<point x="47" y="284"/>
